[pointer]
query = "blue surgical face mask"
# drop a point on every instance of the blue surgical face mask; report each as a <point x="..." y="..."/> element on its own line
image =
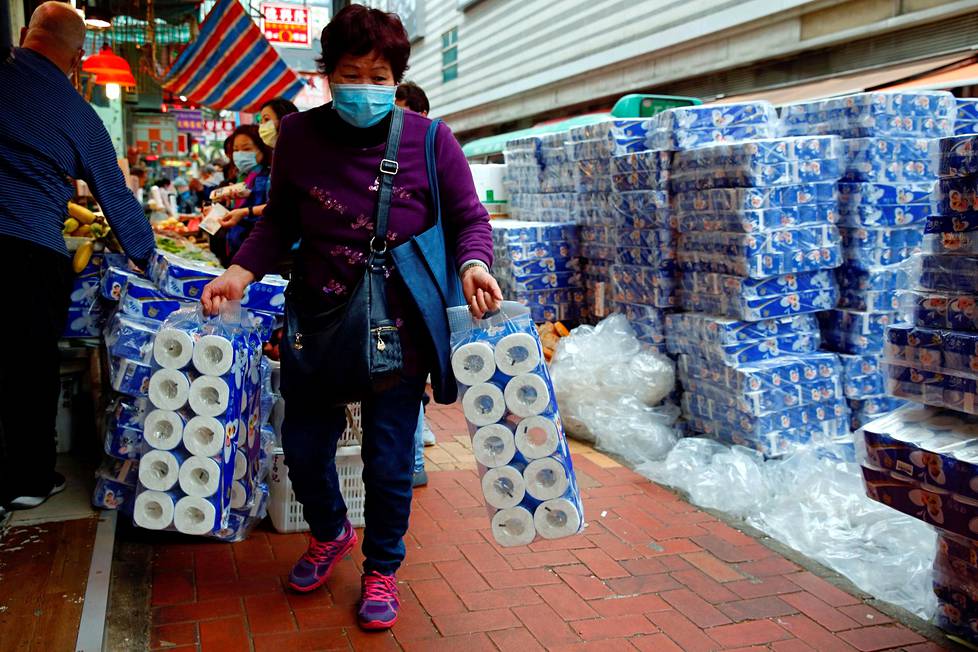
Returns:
<point x="246" y="162"/>
<point x="362" y="105"/>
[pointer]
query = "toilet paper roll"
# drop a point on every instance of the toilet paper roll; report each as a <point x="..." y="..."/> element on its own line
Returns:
<point x="474" y="363"/>
<point x="213" y="355"/>
<point x="483" y="404"/>
<point x="194" y="515"/>
<point x="493" y="445"/>
<point x="160" y="470"/>
<point x="503" y="487"/>
<point x="240" y="464"/>
<point x="168" y="389"/>
<point x="546" y="478"/>
<point x="517" y="354"/>
<point x="163" y="429"/>
<point x="209" y="396"/>
<point x="537" y="437"/>
<point x="204" y="436"/>
<point x="153" y="510"/>
<point x="200" y="476"/>
<point x="557" y="518"/>
<point x="527" y="395"/>
<point x="239" y="495"/>
<point x="513" y="527"/>
<point x="173" y="348"/>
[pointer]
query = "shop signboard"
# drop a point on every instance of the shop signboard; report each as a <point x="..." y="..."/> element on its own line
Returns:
<point x="286" y="24"/>
<point x="218" y="129"/>
<point x="155" y="134"/>
<point x="190" y="121"/>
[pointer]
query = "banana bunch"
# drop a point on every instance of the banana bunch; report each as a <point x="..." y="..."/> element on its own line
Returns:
<point x="83" y="223"/>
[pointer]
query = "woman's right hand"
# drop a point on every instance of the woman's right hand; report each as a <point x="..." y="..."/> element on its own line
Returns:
<point x="229" y="286"/>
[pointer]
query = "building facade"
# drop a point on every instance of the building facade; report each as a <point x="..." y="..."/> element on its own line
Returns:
<point x="495" y="65"/>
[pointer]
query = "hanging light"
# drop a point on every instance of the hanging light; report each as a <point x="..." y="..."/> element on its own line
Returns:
<point x="113" y="91"/>
<point x="118" y="77"/>
<point x="97" y="14"/>
<point x="106" y="61"/>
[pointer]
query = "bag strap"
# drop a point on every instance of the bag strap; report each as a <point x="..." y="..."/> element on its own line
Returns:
<point x="388" y="168"/>
<point x="432" y="164"/>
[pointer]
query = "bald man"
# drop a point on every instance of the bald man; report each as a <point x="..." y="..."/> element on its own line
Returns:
<point x="49" y="136"/>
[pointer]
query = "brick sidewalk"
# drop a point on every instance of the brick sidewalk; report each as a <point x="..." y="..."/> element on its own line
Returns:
<point x="650" y="572"/>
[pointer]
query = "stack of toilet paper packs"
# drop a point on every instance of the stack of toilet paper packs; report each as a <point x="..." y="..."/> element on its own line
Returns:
<point x="967" y="117"/>
<point x="537" y="264"/>
<point x="517" y="438"/>
<point x="87" y="312"/>
<point x="923" y="461"/>
<point x="136" y="426"/>
<point x="884" y="201"/>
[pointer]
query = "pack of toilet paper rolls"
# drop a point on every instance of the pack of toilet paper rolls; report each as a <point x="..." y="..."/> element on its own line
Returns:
<point x="518" y="441"/>
<point x="201" y="441"/>
<point x="185" y="279"/>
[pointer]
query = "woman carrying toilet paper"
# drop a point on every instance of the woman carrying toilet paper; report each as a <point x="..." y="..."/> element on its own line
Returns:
<point x="330" y="166"/>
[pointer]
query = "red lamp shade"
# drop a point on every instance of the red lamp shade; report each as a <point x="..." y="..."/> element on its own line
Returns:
<point x="120" y="77"/>
<point x="107" y="61"/>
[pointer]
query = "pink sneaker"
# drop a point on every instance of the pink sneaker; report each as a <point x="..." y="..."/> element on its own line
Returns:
<point x="378" y="601"/>
<point x="313" y="568"/>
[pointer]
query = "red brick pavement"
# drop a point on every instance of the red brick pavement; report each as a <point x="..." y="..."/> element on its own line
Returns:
<point x="650" y="572"/>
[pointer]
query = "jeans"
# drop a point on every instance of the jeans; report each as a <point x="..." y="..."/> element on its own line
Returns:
<point x="310" y="434"/>
<point x="419" y="443"/>
<point x="38" y="279"/>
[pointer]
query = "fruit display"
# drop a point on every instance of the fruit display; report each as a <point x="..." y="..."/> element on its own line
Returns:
<point x="172" y="225"/>
<point x="186" y="248"/>
<point x="83" y="223"/>
<point x="550" y="333"/>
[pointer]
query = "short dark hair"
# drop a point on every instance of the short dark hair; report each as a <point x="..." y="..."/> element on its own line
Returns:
<point x="413" y="95"/>
<point x="359" y="31"/>
<point x="162" y="182"/>
<point x="281" y="106"/>
<point x="251" y="131"/>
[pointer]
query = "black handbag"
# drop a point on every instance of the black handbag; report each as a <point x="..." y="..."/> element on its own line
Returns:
<point x="354" y="350"/>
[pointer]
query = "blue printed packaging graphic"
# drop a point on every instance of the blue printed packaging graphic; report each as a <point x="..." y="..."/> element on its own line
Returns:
<point x="957" y="312"/>
<point x="762" y="265"/>
<point x="643" y="285"/>
<point x="882" y="215"/>
<point x="556" y="249"/>
<point x="967" y="111"/>
<point x="513" y="231"/>
<point x="958" y="156"/>
<point x="639" y="180"/>
<point x="738" y="199"/>
<point x="870" y="300"/>
<point x="692" y="327"/>
<point x="652" y="238"/>
<point x="647" y="161"/>
<point x="742" y="245"/>
<point x="109" y="494"/>
<point x="875" y="239"/>
<point x="140" y="298"/>
<point x="123" y="442"/>
<point x="791" y="173"/>
<point x="757" y="220"/>
<point x="84" y="322"/>
<point x="535" y="266"/>
<point x="878" y="279"/>
<point x="113" y="281"/>
<point x="131" y="338"/>
<point x="717" y="116"/>
<point x="767" y="401"/>
<point x="779" y="376"/>
<point x="662" y="258"/>
<point x="742" y="352"/>
<point x="885" y="194"/>
<point x="863" y="323"/>
<point x="84" y="291"/>
<point x="756" y="154"/>
<point x="791" y="418"/>
<point x="861" y="387"/>
<point x="956" y="196"/>
<point x="129" y="376"/>
<point x="684" y="138"/>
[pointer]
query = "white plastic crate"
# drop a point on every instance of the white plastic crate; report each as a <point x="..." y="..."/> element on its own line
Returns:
<point x="283" y="508"/>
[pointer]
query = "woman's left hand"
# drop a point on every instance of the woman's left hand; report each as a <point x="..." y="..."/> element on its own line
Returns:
<point x="482" y="293"/>
<point x="233" y="217"/>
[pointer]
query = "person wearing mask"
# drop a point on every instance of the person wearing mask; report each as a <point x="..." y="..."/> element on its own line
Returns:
<point x="49" y="136"/>
<point x="197" y="195"/>
<point x="410" y="96"/>
<point x="252" y="159"/>
<point x="160" y="202"/>
<point x="184" y="199"/>
<point x="271" y="115"/>
<point x="325" y="193"/>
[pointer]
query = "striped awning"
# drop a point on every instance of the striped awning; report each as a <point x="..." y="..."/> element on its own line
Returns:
<point x="230" y="65"/>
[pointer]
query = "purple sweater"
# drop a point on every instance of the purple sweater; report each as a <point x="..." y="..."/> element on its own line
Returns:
<point x="324" y="193"/>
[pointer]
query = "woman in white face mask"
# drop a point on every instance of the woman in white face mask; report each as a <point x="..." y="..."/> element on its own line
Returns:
<point x="253" y="160"/>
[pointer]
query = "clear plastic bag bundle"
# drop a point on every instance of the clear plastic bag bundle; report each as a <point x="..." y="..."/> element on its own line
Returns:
<point x="611" y="390"/>
<point x="202" y="465"/>
<point x="517" y="436"/>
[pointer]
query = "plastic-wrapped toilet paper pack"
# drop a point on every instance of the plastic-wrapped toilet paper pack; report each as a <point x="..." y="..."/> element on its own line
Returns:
<point x="924" y="114"/>
<point x="643" y="285"/>
<point x="130" y="337"/>
<point x="889" y="160"/>
<point x="129" y="377"/>
<point x="740" y="199"/>
<point x="867" y="410"/>
<point x="757" y="300"/>
<point x="956" y="197"/>
<point x="84" y="322"/>
<point x="855" y="332"/>
<point x="716" y="116"/>
<point x="944" y="310"/>
<point x="109" y="494"/>
<point x="747" y="245"/>
<point x="967" y="116"/>
<point x="185" y="279"/>
<point x="883" y="215"/>
<point x="140" y="298"/>
<point x="241" y="521"/>
<point x="957" y="156"/>
<point x="760" y="151"/>
<point x="778" y="443"/>
<point x="689" y="138"/>
<point x="640" y="209"/>
<point x="763" y="401"/>
<point x="760" y="220"/>
<point x="712" y="338"/>
<point x="757" y="175"/>
<point x="695" y="255"/>
<point x="113" y="281"/>
<point x="515" y="424"/>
